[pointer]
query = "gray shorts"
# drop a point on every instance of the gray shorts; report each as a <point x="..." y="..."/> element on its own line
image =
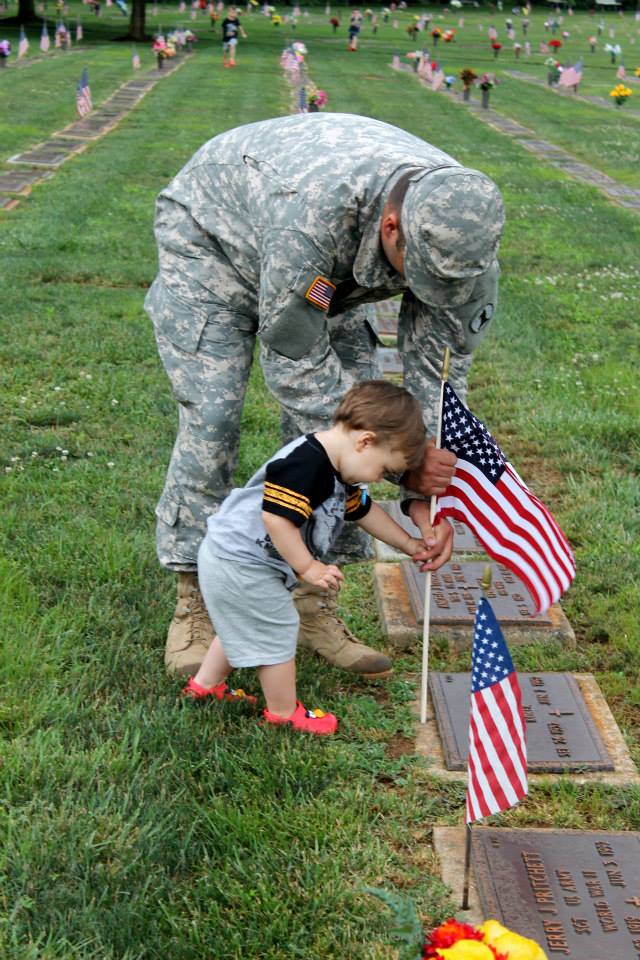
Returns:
<point x="251" y="609"/>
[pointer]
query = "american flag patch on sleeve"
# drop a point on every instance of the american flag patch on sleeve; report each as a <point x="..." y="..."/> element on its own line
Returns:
<point x="320" y="293"/>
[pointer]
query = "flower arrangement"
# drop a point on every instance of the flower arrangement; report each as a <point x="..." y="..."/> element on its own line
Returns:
<point x="468" y="77"/>
<point x="449" y="81"/>
<point x="276" y="20"/>
<point x="496" y="47"/>
<point x="449" y="36"/>
<point x="491" y="941"/>
<point x="454" y="940"/>
<point x="517" y="47"/>
<point x="637" y="71"/>
<point x="487" y="81"/>
<point x="334" y="22"/>
<point x="436" y="33"/>
<point x="554" y="44"/>
<point x="565" y="34"/>
<point x="620" y="94"/>
<point x="317" y="99"/>
<point x="554" y="70"/>
<point x="5" y="49"/>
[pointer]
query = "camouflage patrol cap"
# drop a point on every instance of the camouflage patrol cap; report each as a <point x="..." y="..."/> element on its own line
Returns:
<point x="452" y="219"/>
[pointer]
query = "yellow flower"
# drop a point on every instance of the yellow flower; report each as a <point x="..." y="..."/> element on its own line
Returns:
<point x="637" y="71"/>
<point x="512" y="944"/>
<point x="466" y="950"/>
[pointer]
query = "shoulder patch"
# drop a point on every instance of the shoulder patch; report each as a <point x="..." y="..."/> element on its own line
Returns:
<point x="320" y="293"/>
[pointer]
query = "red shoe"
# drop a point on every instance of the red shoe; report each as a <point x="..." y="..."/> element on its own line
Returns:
<point x="194" y="691"/>
<point x="307" y="721"/>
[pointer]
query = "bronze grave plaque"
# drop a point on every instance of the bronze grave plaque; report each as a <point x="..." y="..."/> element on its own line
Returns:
<point x="390" y="362"/>
<point x="464" y="542"/>
<point x="387" y="317"/>
<point x="561" y="733"/>
<point x="456" y="588"/>
<point x="576" y="892"/>
<point x="49" y="154"/>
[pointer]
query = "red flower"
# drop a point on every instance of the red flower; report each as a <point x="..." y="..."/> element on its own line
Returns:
<point x="449" y="933"/>
<point x="496" y="46"/>
<point x="556" y="44"/>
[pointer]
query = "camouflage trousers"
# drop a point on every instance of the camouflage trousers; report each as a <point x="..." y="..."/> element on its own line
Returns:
<point x="209" y="386"/>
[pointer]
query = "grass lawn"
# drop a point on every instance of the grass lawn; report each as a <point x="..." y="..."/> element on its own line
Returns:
<point x="136" y="828"/>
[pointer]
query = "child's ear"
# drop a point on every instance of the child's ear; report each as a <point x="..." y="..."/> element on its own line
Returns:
<point x="366" y="439"/>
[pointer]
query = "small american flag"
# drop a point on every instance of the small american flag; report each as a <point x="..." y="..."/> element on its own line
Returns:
<point x="45" y="43"/>
<point x="620" y="72"/>
<point x="571" y="76"/>
<point x="135" y="60"/>
<point x="486" y="493"/>
<point x="320" y="293"/>
<point x="84" y="104"/>
<point x="23" y="44"/>
<point x="543" y="48"/>
<point x="437" y="79"/>
<point x="497" y="766"/>
<point x="79" y="32"/>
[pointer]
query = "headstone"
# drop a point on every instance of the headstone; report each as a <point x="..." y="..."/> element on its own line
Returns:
<point x="456" y="589"/>
<point x="390" y="363"/>
<point x="464" y="541"/>
<point x="386" y="312"/>
<point x="575" y="892"/>
<point x="49" y="154"/>
<point x="561" y="733"/>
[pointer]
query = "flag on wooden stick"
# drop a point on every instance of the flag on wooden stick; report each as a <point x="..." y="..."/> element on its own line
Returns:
<point x="45" y="43"/>
<point x="497" y="765"/>
<point x="23" y="44"/>
<point x="84" y="103"/>
<point x="79" y="32"/>
<point x="486" y="493"/>
<point x="571" y="76"/>
<point x="135" y="60"/>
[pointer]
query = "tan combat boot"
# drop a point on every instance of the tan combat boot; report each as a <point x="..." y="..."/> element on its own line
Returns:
<point x="322" y="631"/>
<point x="191" y="630"/>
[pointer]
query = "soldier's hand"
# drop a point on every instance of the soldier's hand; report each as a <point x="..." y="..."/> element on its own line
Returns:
<point x="434" y="474"/>
<point x="438" y="539"/>
<point x="325" y="575"/>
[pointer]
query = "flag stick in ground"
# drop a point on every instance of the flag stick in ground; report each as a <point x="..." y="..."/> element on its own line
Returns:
<point x="486" y="583"/>
<point x="427" y="586"/>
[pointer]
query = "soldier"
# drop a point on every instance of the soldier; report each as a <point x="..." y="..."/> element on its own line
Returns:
<point x="288" y="230"/>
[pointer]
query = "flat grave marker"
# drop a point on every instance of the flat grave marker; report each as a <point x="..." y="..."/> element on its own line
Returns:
<point x="562" y="736"/>
<point x="576" y="892"/>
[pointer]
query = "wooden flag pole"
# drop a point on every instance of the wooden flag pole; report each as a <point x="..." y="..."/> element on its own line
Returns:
<point x="486" y="583"/>
<point x="467" y="869"/>
<point x="427" y="586"/>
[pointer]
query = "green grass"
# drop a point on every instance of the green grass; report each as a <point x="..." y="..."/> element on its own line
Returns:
<point x="138" y="829"/>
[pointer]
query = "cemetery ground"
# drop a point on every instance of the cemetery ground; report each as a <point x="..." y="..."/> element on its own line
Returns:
<point x="139" y="828"/>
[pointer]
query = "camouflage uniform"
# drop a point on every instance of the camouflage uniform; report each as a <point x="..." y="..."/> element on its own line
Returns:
<point x="244" y="232"/>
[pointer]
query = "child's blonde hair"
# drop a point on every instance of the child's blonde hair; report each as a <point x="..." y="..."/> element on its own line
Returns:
<point x="389" y="411"/>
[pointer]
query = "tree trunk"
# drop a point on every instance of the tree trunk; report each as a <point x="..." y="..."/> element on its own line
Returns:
<point x="136" y="24"/>
<point x="26" y="14"/>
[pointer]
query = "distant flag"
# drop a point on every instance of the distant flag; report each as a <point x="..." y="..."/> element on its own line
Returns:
<point x="182" y="7"/>
<point x="497" y="765"/>
<point x="58" y="37"/>
<point x="79" y="32"/>
<point x="620" y="72"/>
<point x="23" y="44"/>
<point x="437" y="79"/>
<point x="486" y="493"/>
<point x="45" y="43"/>
<point x="461" y="23"/>
<point x="424" y="68"/>
<point x="84" y="104"/>
<point x="571" y="76"/>
<point x="135" y="60"/>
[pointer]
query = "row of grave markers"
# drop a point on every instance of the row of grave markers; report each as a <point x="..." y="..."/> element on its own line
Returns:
<point x="577" y="893"/>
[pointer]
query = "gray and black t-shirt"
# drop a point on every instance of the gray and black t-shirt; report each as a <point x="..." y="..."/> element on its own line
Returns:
<point x="300" y="483"/>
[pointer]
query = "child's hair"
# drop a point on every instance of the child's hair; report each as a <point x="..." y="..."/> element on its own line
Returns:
<point x="389" y="411"/>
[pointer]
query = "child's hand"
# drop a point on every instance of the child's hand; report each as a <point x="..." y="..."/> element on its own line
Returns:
<point x="325" y="575"/>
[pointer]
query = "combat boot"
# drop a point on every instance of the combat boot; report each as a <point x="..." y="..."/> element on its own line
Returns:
<point x="322" y="631"/>
<point x="191" y="630"/>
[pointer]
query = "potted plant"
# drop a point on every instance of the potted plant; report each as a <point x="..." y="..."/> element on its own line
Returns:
<point x="436" y="33"/>
<point x="553" y="70"/>
<point x="468" y="77"/>
<point x="496" y="47"/>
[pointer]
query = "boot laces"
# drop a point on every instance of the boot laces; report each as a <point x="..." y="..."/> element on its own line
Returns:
<point x="198" y="615"/>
